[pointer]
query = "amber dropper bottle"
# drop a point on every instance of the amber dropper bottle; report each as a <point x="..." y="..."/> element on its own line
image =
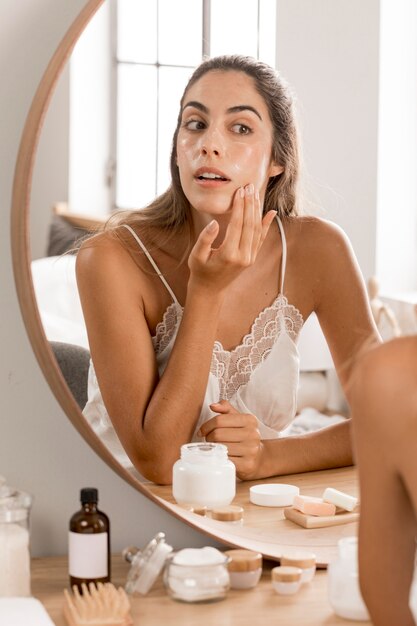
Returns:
<point x="89" y="542"/>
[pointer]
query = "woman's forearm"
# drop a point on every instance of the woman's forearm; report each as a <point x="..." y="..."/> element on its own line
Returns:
<point x="322" y="449"/>
<point x="176" y="402"/>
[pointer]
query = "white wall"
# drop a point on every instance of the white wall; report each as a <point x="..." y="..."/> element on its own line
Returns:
<point x="39" y="450"/>
<point x="329" y="52"/>
<point x="397" y="182"/>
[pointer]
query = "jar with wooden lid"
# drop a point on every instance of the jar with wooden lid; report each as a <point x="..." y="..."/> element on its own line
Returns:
<point x="286" y="579"/>
<point x="306" y="561"/>
<point x="245" y="568"/>
<point x="232" y="514"/>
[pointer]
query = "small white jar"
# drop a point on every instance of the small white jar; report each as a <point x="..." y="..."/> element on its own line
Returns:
<point x="245" y="568"/>
<point x="306" y="561"/>
<point x="343" y="582"/>
<point x="204" y="476"/>
<point x="286" y="579"/>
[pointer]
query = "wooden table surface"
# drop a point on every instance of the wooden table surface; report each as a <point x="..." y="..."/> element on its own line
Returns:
<point x="309" y="607"/>
<point x="265" y="529"/>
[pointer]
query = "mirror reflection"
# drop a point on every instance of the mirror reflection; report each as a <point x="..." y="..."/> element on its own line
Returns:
<point x="157" y="295"/>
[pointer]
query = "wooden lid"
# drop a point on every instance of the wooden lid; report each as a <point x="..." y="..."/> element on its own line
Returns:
<point x="286" y="574"/>
<point x="200" y="510"/>
<point x="299" y="559"/>
<point x="231" y="513"/>
<point x="243" y="560"/>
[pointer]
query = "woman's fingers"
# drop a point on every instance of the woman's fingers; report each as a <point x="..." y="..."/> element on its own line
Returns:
<point x="202" y="247"/>
<point x="266" y="223"/>
<point x="234" y="227"/>
<point x="248" y="233"/>
<point x="235" y="420"/>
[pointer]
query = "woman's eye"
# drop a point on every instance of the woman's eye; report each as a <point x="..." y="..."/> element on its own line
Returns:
<point x="241" y="129"/>
<point x="194" y="125"/>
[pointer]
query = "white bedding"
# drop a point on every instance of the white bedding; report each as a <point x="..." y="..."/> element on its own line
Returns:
<point x="58" y="301"/>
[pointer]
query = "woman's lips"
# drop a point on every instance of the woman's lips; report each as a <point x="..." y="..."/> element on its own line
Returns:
<point x="210" y="177"/>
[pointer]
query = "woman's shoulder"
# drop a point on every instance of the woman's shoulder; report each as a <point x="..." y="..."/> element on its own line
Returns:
<point x="312" y="226"/>
<point x="317" y="237"/>
<point x="108" y="256"/>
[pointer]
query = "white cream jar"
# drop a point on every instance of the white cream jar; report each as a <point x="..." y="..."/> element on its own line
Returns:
<point x="245" y="568"/>
<point x="204" y="476"/>
<point x="306" y="561"/>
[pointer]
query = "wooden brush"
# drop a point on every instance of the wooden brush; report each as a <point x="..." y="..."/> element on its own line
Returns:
<point x="101" y="605"/>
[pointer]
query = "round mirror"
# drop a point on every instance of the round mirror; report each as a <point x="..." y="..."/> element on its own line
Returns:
<point x="264" y="529"/>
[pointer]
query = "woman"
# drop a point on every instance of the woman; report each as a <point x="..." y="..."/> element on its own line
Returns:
<point x="384" y="408"/>
<point x="193" y="306"/>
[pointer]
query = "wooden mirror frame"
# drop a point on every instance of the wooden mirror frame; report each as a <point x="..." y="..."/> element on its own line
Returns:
<point x="250" y="538"/>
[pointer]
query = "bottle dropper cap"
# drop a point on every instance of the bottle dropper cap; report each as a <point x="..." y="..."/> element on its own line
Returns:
<point x="89" y="494"/>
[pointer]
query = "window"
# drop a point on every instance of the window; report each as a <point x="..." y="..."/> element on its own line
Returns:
<point x="158" y="44"/>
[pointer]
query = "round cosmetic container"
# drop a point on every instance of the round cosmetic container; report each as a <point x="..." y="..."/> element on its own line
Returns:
<point x="286" y="579"/>
<point x="273" y="494"/>
<point x="306" y="561"/>
<point x="14" y="541"/>
<point x="343" y="582"/>
<point x="204" y="476"/>
<point x="245" y="568"/>
<point x="232" y="514"/>
<point x="197" y="575"/>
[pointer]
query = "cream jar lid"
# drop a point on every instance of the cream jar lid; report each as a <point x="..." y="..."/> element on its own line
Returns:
<point x="273" y="494"/>
<point x="243" y="560"/>
<point x="231" y="513"/>
<point x="299" y="559"/>
<point x="200" y="510"/>
<point x="286" y="574"/>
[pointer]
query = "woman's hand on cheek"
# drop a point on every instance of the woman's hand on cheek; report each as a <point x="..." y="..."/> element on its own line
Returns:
<point x="245" y="233"/>
<point x="239" y="432"/>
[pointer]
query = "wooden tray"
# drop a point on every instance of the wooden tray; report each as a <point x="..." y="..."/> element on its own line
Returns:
<point x="313" y="521"/>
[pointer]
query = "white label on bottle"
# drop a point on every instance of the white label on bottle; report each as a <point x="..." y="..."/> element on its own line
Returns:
<point x="87" y="555"/>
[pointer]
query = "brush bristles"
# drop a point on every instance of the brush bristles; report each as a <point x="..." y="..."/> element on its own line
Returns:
<point x="99" y="605"/>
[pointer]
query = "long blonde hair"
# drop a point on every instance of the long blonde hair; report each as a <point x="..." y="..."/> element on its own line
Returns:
<point x="169" y="214"/>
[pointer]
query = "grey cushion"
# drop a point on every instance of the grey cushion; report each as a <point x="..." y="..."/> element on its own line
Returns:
<point x="63" y="236"/>
<point x="74" y="362"/>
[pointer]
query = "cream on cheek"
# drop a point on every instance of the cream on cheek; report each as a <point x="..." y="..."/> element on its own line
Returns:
<point x="251" y="164"/>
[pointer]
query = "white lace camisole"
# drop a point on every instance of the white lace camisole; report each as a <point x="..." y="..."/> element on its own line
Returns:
<point x="259" y="376"/>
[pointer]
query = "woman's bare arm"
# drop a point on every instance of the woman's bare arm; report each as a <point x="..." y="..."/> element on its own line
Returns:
<point x="384" y="408"/>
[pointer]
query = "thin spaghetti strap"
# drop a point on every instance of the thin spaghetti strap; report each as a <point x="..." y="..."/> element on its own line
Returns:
<point x="284" y="255"/>
<point x="152" y="262"/>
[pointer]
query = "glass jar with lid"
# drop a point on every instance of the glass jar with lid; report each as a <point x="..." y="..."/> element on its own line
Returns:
<point x="204" y="476"/>
<point x="343" y="579"/>
<point x="14" y="541"/>
<point x="197" y="575"/>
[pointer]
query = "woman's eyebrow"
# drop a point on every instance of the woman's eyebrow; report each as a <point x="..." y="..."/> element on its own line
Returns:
<point x="236" y="109"/>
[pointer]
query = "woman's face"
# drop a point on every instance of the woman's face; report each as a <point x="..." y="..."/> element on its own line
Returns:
<point x="224" y="141"/>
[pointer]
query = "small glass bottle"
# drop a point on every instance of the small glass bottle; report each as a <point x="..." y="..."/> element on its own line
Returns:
<point x="204" y="476"/>
<point x="14" y="541"/>
<point x="343" y="579"/>
<point x="89" y="542"/>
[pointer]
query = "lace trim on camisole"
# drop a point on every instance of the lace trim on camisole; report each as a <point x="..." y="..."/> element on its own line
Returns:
<point x="166" y="328"/>
<point x="233" y="368"/>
